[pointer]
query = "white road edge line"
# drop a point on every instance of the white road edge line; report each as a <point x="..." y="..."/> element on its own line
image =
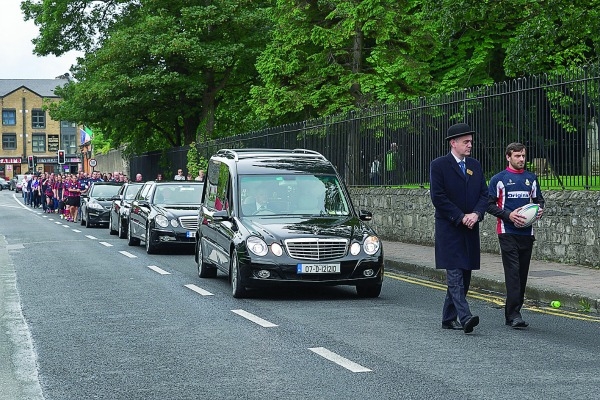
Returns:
<point x="159" y="270"/>
<point x="254" y="318"/>
<point x="127" y="254"/>
<point x="91" y="237"/>
<point x="106" y="244"/>
<point x="198" y="290"/>
<point x="339" y="360"/>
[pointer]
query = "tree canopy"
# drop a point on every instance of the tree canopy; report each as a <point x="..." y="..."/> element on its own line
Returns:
<point x="159" y="73"/>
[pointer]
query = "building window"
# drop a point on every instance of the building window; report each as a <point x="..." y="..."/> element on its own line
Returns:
<point x="38" y="118"/>
<point x="9" y="141"/>
<point x="9" y="117"/>
<point x="38" y="143"/>
<point x="68" y="138"/>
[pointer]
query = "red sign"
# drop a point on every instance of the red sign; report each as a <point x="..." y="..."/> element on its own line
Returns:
<point x="16" y="160"/>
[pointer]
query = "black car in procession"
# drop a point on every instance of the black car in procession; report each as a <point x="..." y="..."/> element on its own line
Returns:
<point x="274" y="217"/>
<point x="95" y="205"/>
<point x="120" y="208"/>
<point x="165" y="213"/>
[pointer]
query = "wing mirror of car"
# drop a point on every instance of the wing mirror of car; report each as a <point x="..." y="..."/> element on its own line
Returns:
<point x="141" y="203"/>
<point x="222" y="215"/>
<point x="365" y="215"/>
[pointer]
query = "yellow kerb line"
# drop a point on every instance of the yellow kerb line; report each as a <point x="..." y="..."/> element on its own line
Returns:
<point x="497" y="300"/>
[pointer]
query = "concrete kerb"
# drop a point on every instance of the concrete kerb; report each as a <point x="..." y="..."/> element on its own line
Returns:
<point x="537" y="296"/>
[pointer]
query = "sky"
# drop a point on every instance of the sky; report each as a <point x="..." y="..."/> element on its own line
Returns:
<point x="18" y="60"/>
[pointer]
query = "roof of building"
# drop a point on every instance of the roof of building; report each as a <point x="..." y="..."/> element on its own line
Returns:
<point x="43" y="87"/>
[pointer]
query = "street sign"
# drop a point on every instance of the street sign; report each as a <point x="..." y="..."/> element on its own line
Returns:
<point x="92" y="162"/>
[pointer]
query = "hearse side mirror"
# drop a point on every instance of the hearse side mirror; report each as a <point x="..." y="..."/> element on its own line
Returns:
<point x="365" y="215"/>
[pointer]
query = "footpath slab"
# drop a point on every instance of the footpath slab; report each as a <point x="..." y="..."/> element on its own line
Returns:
<point x="576" y="287"/>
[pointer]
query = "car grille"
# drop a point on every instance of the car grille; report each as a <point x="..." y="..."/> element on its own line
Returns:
<point x="190" y="223"/>
<point x="316" y="249"/>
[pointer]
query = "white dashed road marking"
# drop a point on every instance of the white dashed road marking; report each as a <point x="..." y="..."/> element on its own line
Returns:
<point x="127" y="254"/>
<point x="106" y="244"/>
<point x="91" y="237"/>
<point x="159" y="270"/>
<point x="339" y="360"/>
<point x="57" y="222"/>
<point x="254" y="318"/>
<point x="75" y="230"/>
<point x="199" y="290"/>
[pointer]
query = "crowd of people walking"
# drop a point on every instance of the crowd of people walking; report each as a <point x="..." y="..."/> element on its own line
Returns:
<point x="61" y="193"/>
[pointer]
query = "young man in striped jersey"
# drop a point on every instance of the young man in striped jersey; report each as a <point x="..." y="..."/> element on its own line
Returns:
<point x="510" y="190"/>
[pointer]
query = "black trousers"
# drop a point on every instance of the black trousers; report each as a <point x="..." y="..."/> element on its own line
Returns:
<point x="516" y="256"/>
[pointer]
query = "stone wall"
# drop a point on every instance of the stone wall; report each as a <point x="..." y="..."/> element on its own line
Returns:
<point x="569" y="232"/>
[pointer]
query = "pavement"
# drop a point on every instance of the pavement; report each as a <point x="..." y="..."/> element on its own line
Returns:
<point x="576" y="287"/>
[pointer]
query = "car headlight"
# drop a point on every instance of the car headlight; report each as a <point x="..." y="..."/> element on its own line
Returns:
<point x="95" y="206"/>
<point x="371" y="245"/>
<point x="161" y="221"/>
<point x="355" y="248"/>
<point x="276" y="249"/>
<point x="257" y="246"/>
<point x="174" y="223"/>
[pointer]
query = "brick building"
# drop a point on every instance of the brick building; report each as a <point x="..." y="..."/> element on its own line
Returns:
<point x="28" y="130"/>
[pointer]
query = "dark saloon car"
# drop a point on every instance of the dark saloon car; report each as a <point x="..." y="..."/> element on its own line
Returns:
<point x="165" y="213"/>
<point x="95" y="205"/>
<point x="276" y="217"/>
<point x="121" y="207"/>
<point x="4" y="184"/>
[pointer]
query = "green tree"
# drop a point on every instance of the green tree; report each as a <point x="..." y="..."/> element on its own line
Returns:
<point x="160" y="73"/>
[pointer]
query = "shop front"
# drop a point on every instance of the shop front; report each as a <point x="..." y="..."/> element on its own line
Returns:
<point x="10" y="166"/>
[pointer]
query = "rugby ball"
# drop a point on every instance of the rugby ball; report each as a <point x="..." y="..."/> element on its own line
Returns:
<point x="530" y="212"/>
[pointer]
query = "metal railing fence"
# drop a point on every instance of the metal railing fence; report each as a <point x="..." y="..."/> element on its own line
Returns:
<point x="556" y="117"/>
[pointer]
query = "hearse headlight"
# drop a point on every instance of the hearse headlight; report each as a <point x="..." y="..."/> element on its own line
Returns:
<point x="162" y="221"/>
<point x="174" y="223"/>
<point x="257" y="246"/>
<point x="371" y="245"/>
<point x="277" y="249"/>
<point x="355" y="248"/>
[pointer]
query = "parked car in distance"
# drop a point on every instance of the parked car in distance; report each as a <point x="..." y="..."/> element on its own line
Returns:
<point x="165" y="213"/>
<point x="121" y="206"/>
<point x="4" y="184"/>
<point x="284" y="217"/>
<point x="95" y="205"/>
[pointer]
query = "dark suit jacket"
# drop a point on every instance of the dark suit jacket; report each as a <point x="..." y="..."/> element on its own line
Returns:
<point x="453" y="195"/>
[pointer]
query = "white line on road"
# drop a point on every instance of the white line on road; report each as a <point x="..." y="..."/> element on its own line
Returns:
<point x="254" y="318"/>
<point x="66" y="226"/>
<point x="339" y="360"/>
<point x="57" y="222"/>
<point x="91" y="237"/>
<point x="198" y="290"/>
<point x="106" y="244"/>
<point x="127" y="254"/>
<point x="159" y="270"/>
<point x="75" y="230"/>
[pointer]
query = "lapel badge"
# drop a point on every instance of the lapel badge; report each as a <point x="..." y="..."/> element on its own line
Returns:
<point x="527" y="182"/>
<point x="469" y="172"/>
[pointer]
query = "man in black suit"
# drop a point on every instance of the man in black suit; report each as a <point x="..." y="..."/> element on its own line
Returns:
<point x="459" y="194"/>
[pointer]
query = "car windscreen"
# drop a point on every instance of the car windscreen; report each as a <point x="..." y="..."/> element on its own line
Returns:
<point x="292" y="194"/>
<point x="182" y="194"/>
<point x="131" y="191"/>
<point x="104" y="191"/>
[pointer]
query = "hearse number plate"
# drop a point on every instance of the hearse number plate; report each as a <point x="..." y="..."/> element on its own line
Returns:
<point x="318" y="269"/>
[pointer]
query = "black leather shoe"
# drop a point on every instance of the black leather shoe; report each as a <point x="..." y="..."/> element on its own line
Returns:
<point x="518" y="323"/>
<point x="471" y="323"/>
<point x="452" y="325"/>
